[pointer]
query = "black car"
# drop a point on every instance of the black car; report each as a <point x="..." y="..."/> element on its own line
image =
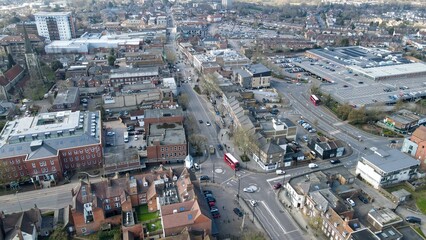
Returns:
<point x="220" y="147"/>
<point x="207" y="192"/>
<point x="335" y="161"/>
<point x="363" y="199"/>
<point x="238" y="212"/>
<point x="412" y="219"/>
<point x="200" y="121"/>
<point x="211" y="199"/>
<point x="204" y="177"/>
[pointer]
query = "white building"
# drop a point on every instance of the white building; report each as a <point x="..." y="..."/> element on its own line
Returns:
<point x="55" y="25"/>
<point x="227" y="4"/>
<point x="387" y="167"/>
<point x="170" y="83"/>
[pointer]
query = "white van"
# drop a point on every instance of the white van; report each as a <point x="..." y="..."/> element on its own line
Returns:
<point x="312" y="165"/>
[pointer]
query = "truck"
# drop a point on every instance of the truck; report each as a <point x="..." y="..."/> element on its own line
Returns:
<point x="126" y="137"/>
<point x="211" y="149"/>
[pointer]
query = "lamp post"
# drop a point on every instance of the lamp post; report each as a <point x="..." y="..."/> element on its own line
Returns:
<point x="238" y="193"/>
<point x="20" y="206"/>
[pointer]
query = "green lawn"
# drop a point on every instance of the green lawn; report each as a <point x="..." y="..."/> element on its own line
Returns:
<point x="144" y="215"/>
<point x="154" y="226"/>
<point x="418" y="196"/>
<point x="419" y="231"/>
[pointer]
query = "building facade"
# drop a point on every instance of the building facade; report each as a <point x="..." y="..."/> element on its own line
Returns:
<point x="415" y="145"/>
<point x="387" y="167"/>
<point x="55" y="25"/>
<point x="49" y="145"/>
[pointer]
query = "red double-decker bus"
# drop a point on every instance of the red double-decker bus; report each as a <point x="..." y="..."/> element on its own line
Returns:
<point x="315" y="100"/>
<point x="231" y="161"/>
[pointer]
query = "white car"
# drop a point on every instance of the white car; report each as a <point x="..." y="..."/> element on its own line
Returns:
<point x="248" y="190"/>
<point x="280" y="172"/>
<point x="312" y="165"/>
<point x="351" y="202"/>
<point x="110" y="133"/>
<point x="196" y="166"/>
<point x="208" y="123"/>
<point x="253" y="203"/>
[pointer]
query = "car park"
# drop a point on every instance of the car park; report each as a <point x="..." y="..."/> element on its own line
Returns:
<point x="204" y="178"/>
<point x="238" y="212"/>
<point x="335" y="161"/>
<point x="351" y="202"/>
<point x="277" y="186"/>
<point x="412" y="219"/>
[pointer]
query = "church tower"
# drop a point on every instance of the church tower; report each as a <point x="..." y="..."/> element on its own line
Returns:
<point x="31" y="60"/>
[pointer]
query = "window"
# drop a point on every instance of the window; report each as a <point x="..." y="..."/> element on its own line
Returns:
<point x="52" y="162"/>
<point x="75" y="152"/>
<point x="87" y="156"/>
<point x="410" y="147"/>
<point x="33" y="164"/>
<point x="22" y="174"/>
<point x="18" y="161"/>
<point x="35" y="171"/>
<point x="77" y="158"/>
<point x="20" y="167"/>
<point x="53" y="168"/>
<point x="117" y="199"/>
<point x="162" y="149"/>
<point x="117" y="205"/>
<point x="93" y="156"/>
<point x="107" y="207"/>
<point x="69" y="153"/>
<point x="65" y="160"/>
<point x="66" y="166"/>
<point x="11" y="162"/>
<point x="82" y="157"/>
<point x="81" y="151"/>
<point x="107" y="201"/>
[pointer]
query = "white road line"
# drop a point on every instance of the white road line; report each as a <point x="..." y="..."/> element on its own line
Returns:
<point x="278" y="178"/>
<point x="272" y="215"/>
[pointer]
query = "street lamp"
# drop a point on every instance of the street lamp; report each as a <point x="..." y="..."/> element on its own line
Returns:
<point x="20" y="206"/>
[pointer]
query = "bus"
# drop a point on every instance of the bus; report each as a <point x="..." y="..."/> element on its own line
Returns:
<point x="315" y="100"/>
<point x="231" y="161"/>
<point x="126" y="137"/>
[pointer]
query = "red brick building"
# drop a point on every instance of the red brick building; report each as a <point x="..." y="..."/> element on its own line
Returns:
<point x="46" y="146"/>
<point x="166" y="139"/>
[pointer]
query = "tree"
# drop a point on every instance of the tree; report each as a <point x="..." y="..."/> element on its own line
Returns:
<point x="183" y="100"/>
<point x="198" y="141"/>
<point x="344" y="42"/>
<point x="357" y="116"/>
<point x="111" y="60"/>
<point x="343" y="111"/>
<point x="170" y="55"/>
<point x="253" y="236"/>
<point x="10" y="61"/>
<point x="244" y="140"/>
<point x="58" y="234"/>
<point x="55" y="65"/>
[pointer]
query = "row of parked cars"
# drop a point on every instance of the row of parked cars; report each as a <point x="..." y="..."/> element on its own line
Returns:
<point x="212" y="203"/>
<point x="306" y="126"/>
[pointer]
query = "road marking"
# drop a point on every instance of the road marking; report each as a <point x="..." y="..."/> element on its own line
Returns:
<point x="338" y="124"/>
<point x="335" y="132"/>
<point x="278" y="178"/>
<point x="272" y="215"/>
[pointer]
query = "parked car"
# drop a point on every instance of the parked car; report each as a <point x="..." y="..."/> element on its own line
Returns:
<point x="214" y="209"/>
<point x="335" y="161"/>
<point x="280" y="172"/>
<point x="200" y="121"/>
<point x="277" y="186"/>
<point x="219" y="146"/>
<point x="208" y="123"/>
<point x="362" y="198"/>
<point x="238" y="212"/>
<point x="211" y="199"/>
<point x="110" y="133"/>
<point x="412" y="219"/>
<point x="249" y="190"/>
<point x="196" y="166"/>
<point x="204" y="178"/>
<point x="208" y="195"/>
<point x="207" y="192"/>
<point x="351" y="202"/>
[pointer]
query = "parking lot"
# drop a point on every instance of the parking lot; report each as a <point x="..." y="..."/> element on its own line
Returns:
<point x="114" y="138"/>
<point x="229" y="224"/>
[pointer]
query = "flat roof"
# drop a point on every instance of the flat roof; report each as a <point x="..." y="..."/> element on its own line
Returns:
<point x="66" y="96"/>
<point x="166" y="133"/>
<point x="52" y="14"/>
<point x="159" y="113"/>
<point x="390" y="160"/>
<point x="57" y="130"/>
<point x="392" y="70"/>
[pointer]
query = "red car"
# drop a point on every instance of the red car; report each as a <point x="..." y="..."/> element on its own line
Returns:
<point x="277" y="186"/>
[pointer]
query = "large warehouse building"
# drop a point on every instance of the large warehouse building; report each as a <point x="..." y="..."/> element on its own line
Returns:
<point x="49" y="144"/>
<point x="362" y="76"/>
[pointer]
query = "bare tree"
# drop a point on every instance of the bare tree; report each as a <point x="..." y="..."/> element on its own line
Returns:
<point x="198" y="141"/>
<point x="244" y="140"/>
<point x="183" y="100"/>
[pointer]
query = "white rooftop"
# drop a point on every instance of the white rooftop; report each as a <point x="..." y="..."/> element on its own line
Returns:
<point x="392" y="70"/>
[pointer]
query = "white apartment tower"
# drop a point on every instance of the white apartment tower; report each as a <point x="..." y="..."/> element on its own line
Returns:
<point x="227" y="4"/>
<point x="55" y="25"/>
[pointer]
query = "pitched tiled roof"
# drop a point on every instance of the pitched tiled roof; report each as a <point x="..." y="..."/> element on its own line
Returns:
<point x="420" y="133"/>
<point x="22" y="220"/>
<point x="13" y="72"/>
